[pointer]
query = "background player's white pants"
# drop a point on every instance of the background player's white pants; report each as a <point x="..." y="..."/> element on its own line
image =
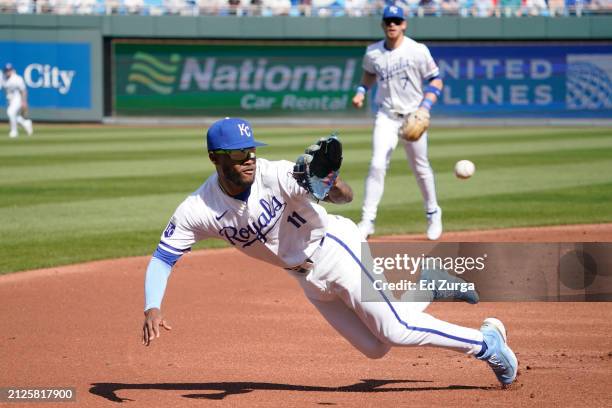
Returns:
<point x="13" y="112"/>
<point x="334" y="288"/>
<point x="384" y="141"/>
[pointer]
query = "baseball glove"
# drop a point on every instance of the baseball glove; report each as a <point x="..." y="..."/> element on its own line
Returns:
<point x="414" y="125"/>
<point x="317" y="169"/>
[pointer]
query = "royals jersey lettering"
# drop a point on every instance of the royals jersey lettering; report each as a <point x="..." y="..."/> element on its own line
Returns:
<point x="276" y="206"/>
<point x="400" y="74"/>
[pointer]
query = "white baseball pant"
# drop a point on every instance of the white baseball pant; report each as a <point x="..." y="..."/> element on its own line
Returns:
<point x="384" y="141"/>
<point x="373" y="327"/>
<point x="13" y="111"/>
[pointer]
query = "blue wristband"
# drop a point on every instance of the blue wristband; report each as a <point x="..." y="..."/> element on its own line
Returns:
<point x="362" y="89"/>
<point x="427" y="103"/>
<point x="433" y="89"/>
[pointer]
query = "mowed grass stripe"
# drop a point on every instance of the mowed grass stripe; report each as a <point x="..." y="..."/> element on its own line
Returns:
<point x="401" y="189"/>
<point x="136" y="151"/>
<point x="59" y="249"/>
<point x="509" y="146"/>
<point x="29" y="147"/>
<point x="573" y="205"/>
<point x="95" y="216"/>
<point x="360" y="145"/>
<point x="35" y="149"/>
<point x="49" y="136"/>
<point x="43" y="138"/>
<point x="496" y="161"/>
<point x="84" y="170"/>
<point x="586" y="204"/>
<point x="114" y="191"/>
<point x="116" y="213"/>
<point x="101" y="139"/>
<point x="446" y="136"/>
<point x="65" y="190"/>
<point x="74" y="190"/>
<point x="518" y="136"/>
<point x="357" y="153"/>
<point x="531" y="179"/>
<point x="488" y="161"/>
<point x="120" y="168"/>
<point x="504" y="132"/>
<point x="170" y="165"/>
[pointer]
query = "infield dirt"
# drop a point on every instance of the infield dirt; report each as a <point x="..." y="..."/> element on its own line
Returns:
<point x="244" y="335"/>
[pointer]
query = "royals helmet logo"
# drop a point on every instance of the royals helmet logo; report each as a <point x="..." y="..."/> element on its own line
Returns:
<point x="244" y="129"/>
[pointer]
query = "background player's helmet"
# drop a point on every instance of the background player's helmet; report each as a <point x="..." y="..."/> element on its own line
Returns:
<point x="8" y="67"/>
<point x="393" y="12"/>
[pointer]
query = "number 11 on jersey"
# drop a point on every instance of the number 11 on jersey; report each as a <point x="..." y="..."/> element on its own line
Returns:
<point x="296" y="219"/>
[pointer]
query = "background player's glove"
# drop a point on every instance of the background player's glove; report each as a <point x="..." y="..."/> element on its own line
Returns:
<point x="414" y="125"/>
<point x="317" y="169"/>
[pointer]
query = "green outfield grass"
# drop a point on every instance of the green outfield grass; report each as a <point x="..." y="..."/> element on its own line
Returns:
<point x="76" y="193"/>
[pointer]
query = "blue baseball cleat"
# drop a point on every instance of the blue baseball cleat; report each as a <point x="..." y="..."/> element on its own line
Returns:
<point x="498" y="355"/>
<point x="449" y="286"/>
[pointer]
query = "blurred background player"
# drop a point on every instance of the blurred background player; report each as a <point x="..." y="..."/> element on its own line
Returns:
<point x="401" y="66"/>
<point x="16" y="100"/>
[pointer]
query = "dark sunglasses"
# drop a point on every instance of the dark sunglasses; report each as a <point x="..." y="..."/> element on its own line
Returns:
<point x="238" y="155"/>
<point x="396" y="21"/>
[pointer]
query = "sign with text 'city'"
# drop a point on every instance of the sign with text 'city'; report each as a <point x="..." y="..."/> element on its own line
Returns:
<point x="481" y="80"/>
<point x="57" y="74"/>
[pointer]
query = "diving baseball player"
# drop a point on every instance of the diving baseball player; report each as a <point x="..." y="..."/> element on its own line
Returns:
<point x="268" y="210"/>
<point x="16" y="100"/>
<point x="401" y="66"/>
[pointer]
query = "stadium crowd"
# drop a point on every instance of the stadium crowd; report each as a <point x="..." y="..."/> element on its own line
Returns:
<point x="321" y="8"/>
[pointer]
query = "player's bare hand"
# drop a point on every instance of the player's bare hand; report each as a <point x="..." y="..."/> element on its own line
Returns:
<point x="358" y="100"/>
<point x="340" y="193"/>
<point x="150" y="328"/>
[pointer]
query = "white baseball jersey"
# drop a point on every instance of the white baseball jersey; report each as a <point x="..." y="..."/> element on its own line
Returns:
<point x="278" y="223"/>
<point x="13" y="86"/>
<point x="400" y="74"/>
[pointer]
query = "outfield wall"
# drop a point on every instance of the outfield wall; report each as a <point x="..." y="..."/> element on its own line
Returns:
<point x="288" y="79"/>
<point x="84" y="67"/>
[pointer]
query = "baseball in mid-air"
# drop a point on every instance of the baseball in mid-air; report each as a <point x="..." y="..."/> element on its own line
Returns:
<point x="464" y="169"/>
